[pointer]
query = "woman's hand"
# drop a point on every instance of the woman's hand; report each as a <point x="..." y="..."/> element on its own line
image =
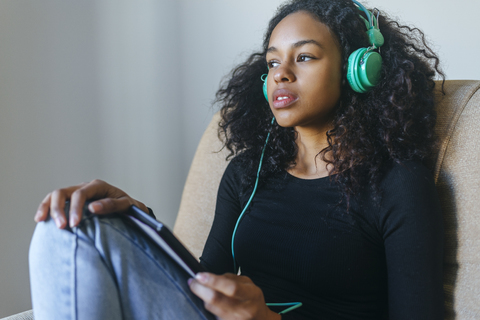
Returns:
<point x="231" y="297"/>
<point x="110" y="199"/>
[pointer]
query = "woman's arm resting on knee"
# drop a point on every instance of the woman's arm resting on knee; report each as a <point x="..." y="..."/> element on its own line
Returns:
<point x="232" y="297"/>
<point x="109" y="199"/>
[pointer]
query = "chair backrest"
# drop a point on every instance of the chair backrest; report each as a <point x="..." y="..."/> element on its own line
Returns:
<point x="197" y="207"/>
<point x="457" y="175"/>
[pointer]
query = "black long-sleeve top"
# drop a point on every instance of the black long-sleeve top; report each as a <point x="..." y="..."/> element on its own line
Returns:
<point x="379" y="260"/>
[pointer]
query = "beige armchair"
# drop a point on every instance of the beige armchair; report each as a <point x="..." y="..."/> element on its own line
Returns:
<point x="457" y="175"/>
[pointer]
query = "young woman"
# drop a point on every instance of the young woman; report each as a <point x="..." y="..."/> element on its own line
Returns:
<point x="326" y="207"/>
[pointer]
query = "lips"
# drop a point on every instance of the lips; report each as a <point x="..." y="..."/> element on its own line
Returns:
<point x="283" y="98"/>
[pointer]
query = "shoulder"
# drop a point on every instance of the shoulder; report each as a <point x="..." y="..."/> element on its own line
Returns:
<point x="234" y="172"/>
<point x="407" y="172"/>
<point x="407" y="177"/>
<point x="231" y="183"/>
<point x="408" y="196"/>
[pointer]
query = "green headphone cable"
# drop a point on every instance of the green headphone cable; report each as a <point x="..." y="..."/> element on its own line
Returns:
<point x="291" y="305"/>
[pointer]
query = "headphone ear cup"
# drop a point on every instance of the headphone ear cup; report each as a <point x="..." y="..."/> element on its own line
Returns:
<point x="265" y="93"/>
<point x="352" y="70"/>
<point x="363" y="76"/>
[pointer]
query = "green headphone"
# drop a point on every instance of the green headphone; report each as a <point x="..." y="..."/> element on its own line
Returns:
<point x="364" y="64"/>
<point x="264" y="79"/>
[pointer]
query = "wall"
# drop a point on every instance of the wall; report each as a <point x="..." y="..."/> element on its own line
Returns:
<point x="87" y="90"/>
<point x="49" y="122"/>
<point x="122" y="90"/>
<point x="451" y="27"/>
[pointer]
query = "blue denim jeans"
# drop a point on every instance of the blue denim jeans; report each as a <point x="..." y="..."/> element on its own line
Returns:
<point x="105" y="269"/>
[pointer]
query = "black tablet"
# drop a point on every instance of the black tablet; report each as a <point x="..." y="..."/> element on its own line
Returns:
<point x="162" y="236"/>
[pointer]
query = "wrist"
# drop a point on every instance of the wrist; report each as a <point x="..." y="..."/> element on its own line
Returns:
<point x="273" y="316"/>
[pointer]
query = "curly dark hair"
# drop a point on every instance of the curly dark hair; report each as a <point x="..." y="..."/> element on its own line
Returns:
<point x="394" y="122"/>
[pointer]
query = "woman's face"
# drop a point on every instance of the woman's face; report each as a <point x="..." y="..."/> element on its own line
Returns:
<point x="304" y="72"/>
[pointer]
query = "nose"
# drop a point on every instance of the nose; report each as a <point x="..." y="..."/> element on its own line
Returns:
<point x="284" y="73"/>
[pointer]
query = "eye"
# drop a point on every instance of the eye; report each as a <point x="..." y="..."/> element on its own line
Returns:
<point x="272" y="64"/>
<point x="304" y="57"/>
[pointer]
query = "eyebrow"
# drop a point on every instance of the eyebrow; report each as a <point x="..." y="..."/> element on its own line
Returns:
<point x="298" y="44"/>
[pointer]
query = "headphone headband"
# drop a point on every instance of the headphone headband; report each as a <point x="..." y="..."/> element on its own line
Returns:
<point x="374" y="36"/>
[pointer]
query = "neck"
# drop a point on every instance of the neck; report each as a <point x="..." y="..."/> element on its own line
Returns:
<point x="309" y="164"/>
